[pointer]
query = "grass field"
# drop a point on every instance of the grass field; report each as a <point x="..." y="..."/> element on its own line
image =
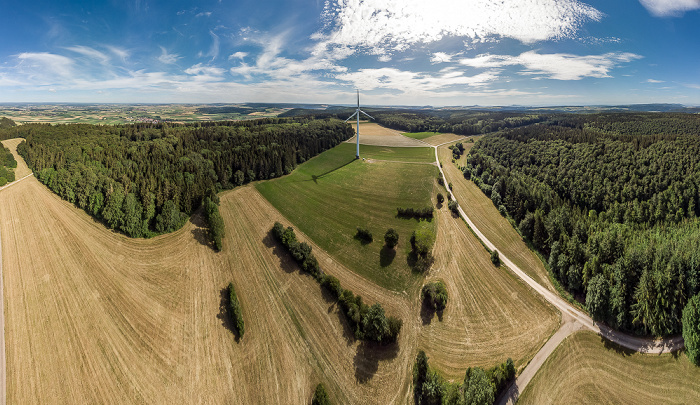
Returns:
<point x="490" y="222"/>
<point x="329" y="196"/>
<point x="420" y="135"/>
<point x="425" y="155"/>
<point x="582" y="370"/>
<point x="490" y="315"/>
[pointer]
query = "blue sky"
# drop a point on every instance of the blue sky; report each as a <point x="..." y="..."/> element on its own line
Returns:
<point x="400" y="52"/>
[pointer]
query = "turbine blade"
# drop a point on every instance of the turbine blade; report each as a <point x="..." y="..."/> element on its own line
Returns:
<point x="358" y="99"/>
<point x="366" y="114"/>
<point x="350" y="117"/>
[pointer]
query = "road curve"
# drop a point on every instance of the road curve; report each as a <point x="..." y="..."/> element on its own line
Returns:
<point x="572" y="318"/>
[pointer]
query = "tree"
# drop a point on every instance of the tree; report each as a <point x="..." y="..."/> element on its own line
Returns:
<point x="435" y="295"/>
<point x="112" y="212"/>
<point x="495" y="258"/>
<point x="440" y="198"/>
<point x="234" y="311"/>
<point x="320" y="396"/>
<point x="453" y="206"/>
<point x="391" y="238"/>
<point x="374" y="324"/>
<point x="364" y="235"/>
<point x="479" y="389"/>
<point x="597" y="297"/>
<point x="691" y="329"/>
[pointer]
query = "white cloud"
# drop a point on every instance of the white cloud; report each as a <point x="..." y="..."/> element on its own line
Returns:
<point x="45" y="64"/>
<point x="214" y="48"/>
<point x="412" y="82"/>
<point x="204" y="14"/>
<point x="121" y="53"/>
<point x="238" y="55"/>
<point x="559" y="66"/>
<point x="441" y="57"/>
<point x="168" y="58"/>
<point x="90" y="53"/>
<point x="655" y="81"/>
<point x="669" y="8"/>
<point x="203" y="73"/>
<point x="384" y="58"/>
<point x="384" y="26"/>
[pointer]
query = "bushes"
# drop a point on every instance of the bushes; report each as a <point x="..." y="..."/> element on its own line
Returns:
<point x="478" y="387"/>
<point x="418" y="213"/>
<point x="453" y="206"/>
<point x="440" y="198"/>
<point x="422" y="245"/>
<point x="216" y="223"/>
<point x="495" y="258"/>
<point x="391" y="238"/>
<point x="320" y="396"/>
<point x="234" y="311"/>
<point x="691" y="329"/>
<point x="435" y="295"/>
<point x="364" y="235"/>
<point x="367" y="322"/>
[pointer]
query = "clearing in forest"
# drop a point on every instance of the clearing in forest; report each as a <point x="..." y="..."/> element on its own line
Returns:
<point x="490" y="315"/>
<point x="329" y="196"/>
<point x="489" y="221"/>
<point x="585" y="369"/>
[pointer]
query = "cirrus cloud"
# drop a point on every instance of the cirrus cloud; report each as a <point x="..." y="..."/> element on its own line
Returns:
<point x="669" y="8"/>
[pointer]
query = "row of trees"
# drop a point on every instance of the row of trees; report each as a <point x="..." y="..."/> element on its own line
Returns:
<point x="214" y="220"/>
<point x="613" y="205"/>
<point x="367" y="322"/>
<point x="418" y="213"/>
<point x="7" y="164"/>
<point x="143" y="179"/>
<point x="479" y="387"/>
<point x="234" y="311"/>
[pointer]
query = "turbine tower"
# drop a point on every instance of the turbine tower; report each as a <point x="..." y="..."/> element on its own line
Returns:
<point x="357" y="112"/>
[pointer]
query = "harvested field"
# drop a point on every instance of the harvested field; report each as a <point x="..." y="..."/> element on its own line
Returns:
<point x="22" y="168"/>
<point x="490" y="222"/>
<point x="584" y="370"/>
<point x="398" y="154"/>
<point x="438" y="139"/>
<point x="490" y="315"/>
<point x="329" y="196"/>
<point x="375" y="134"/>
<point x="139" y="321"/>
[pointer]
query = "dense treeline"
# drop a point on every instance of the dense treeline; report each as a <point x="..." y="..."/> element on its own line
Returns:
<point x="367" y="322"/>
<point x="6" y="123"/>
<point x="457" y="122"/>
<point x="7" y="164"/>
<point x="214" y="220"/>
<point x="144" y="179"/>
<point x="612" y="200"/>
<point x="479" y="387"/>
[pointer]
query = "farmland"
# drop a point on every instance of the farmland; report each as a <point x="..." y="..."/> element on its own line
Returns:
<point x="487" y="219"/>
<point x="584" y="369"/>
<point x="148" y="326"/>
<point x="491" y="315"/>
<point x="110" y="114"/>
<point x="332" y="194"/>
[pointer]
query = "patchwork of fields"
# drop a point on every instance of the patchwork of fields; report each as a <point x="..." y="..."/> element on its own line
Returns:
<point x="95" y="317"/>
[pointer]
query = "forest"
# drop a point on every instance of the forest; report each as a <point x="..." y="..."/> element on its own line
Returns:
<point x="612" y="202"/>
<point x="147" y="179"/>
<point x="7" y="166"/>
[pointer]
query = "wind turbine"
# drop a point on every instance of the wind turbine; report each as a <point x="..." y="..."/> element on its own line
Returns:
<point x="357" y="112"/>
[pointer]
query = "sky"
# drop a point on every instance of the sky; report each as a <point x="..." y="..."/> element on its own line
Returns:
<point x="397" y="52"/>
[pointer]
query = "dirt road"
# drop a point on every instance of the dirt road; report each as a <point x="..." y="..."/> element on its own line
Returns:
<point x="638" y="344"/>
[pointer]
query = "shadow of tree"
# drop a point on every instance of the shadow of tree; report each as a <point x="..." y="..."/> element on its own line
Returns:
<point x="386" y="256"/>
<point x="368" y="356"/>
<point x="201" y="232"/>
<point x="287" y="262"/>
<point x="224" y="315"/>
